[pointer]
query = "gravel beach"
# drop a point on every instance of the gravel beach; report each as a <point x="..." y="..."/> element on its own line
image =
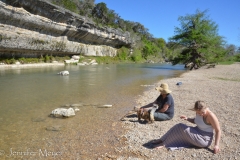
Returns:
<point x="218" y="87"/>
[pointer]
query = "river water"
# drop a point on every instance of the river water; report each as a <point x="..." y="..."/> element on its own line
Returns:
<point x="28" y="95"/>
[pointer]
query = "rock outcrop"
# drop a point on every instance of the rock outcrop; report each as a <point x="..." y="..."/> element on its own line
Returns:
<point x="36" y="27"/>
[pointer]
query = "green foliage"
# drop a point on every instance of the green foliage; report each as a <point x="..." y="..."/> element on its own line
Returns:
<point x="85" y="7"/>
<point x="136" y="56"/>
<point x="38" y="41"/>
<point x="100" y="12"/>
<point x="226" y="62"/>
<point x="47" y="59"/>
<point x="68" y="4"/>
<point x="41" y="59"/>
<point x="237" y="57"/>
<point x="231" y="49"/>
<point x="149" y="48"/>
<point x="230" y="59"/>
<point x="23" y="60"/>
<point x="60" y="59"/>
<point x="10" y="61"/>
<point x="123" y="53"/>
<point x="105" y="60"/>
<point x="199" y="39"/>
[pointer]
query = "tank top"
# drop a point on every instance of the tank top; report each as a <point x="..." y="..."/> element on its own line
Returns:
<point x="202" y="125"/>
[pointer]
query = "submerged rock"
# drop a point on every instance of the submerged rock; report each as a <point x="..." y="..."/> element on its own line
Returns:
<point x="64" y="73"/>
<point x="63" y="112"/>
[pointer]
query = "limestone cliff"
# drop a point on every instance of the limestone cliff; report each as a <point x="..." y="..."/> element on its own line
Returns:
<point x="36" y="27"/>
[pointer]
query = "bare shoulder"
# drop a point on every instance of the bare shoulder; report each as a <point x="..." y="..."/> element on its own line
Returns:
<point x="212" y="117"/>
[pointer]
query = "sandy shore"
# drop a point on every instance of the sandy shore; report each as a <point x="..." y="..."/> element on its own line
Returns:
<point x="219" y="87"/>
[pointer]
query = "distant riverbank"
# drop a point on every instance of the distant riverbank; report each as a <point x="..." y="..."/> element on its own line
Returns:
<point x="9" y="66"/>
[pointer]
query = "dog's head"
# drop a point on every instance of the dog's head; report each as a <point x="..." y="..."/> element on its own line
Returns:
<point x="145" y="115"/>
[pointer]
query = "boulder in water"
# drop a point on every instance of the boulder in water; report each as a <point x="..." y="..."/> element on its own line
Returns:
<point x="63" y="112"/>
<point x="64" y="73"/>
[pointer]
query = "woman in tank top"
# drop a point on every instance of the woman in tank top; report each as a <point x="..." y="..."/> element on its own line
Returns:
<point x="183" y="136"/>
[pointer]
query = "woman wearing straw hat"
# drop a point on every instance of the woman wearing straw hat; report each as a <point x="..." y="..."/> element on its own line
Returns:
<point x="183" y="136"/>
<point x="165" y="103"/>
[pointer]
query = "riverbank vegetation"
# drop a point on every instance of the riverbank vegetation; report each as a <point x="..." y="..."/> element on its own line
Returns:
<point x="196" y="41"/>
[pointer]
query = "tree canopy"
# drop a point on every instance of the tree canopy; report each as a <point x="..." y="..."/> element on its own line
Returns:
<point x="199" y="39"/>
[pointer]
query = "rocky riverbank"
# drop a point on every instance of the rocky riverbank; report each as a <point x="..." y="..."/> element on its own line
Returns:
<point x="218" y="87"/>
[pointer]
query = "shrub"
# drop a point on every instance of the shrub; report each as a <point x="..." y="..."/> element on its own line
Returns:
<point x="122" y="53"/>
<point x="47" y="59"/>
<point x="136" y="56"/>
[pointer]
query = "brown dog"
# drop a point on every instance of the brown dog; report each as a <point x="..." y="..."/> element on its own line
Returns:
<point x="141" y="114"/>
<point x="146" y="115"/>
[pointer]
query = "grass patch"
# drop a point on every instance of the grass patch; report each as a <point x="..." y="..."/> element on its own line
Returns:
<point x="103" y="59"/>
<point x="227" y="62"/>
<point x="41" y="59"/>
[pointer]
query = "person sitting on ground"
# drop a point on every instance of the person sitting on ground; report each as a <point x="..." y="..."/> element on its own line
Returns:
<point x="183" y="136"/>
<point x="165" y="103"/>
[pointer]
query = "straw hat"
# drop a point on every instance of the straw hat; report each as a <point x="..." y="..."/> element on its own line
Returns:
<point x="163" y="88"/>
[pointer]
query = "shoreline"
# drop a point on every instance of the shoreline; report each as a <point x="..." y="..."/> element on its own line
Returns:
<point x="218" y="87"/>
<point x="14" y="66"/>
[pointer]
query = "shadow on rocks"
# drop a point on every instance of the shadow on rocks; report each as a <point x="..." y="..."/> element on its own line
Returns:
<point x="144" y="122"/>
<point x="131" y="116"/>
<point x="149" y="145"/>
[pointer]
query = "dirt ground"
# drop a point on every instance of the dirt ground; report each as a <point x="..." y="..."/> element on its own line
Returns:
<point x="219" y="87"/>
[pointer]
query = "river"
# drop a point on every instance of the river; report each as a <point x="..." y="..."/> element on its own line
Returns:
<point x="28" y="95"/>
